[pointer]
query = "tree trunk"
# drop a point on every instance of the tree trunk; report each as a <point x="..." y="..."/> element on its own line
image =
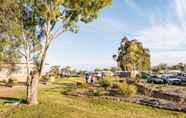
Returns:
<point x="36" y="75"/>
<point x="33" y="99"/>
<point x="28" y="89"/>
<point x="133" y="72"/>
<point x="28" y="82"/>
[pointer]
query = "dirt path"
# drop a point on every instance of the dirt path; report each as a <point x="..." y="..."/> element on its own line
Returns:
<point x="10" y="92"/>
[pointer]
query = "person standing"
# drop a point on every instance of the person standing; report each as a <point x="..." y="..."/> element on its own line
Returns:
<point x="86" y="77"/>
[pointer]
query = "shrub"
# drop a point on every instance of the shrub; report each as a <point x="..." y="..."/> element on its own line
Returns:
<point x="105" y="83"/>
<point x="44" y="78"/>
<point x="4" y="81"/>
<point x="127" y="89"/>
<point x="82" y="85"/>
<point x="183" y="100"/>
<point x="97" y="92"/>
<point x="121" y="80"/>
<point x="115" y="89"/>
<point x="11" y="82"/>
<point x="115" y="86"/>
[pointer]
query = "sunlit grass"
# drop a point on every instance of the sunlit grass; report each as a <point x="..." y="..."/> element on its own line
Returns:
<point x="53" y="104"/>
<point x="69" y="80"/>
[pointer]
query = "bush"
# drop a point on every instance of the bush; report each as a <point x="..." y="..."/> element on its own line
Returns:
<point x="183" y="100"/>
<point x="44" y="78"/>
<point x="121" y="80"/>
<point x="4" y="81"/>
<point x="127" y="89"/>
<point x="115" y="86"/>
<point x="98" y="92"/>
<point x="105" y="83"/>
<point x="82" y="85"/>
<point x="115" y="89"/>
<point x="11" y="82"/>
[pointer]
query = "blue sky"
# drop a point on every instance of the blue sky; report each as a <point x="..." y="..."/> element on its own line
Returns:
<point x="159" y="24"/>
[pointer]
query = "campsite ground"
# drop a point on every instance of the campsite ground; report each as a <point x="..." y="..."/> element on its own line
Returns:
<point x="54" y="104"/>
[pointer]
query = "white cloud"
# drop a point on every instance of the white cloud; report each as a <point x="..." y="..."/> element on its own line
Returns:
<point x="166" y="38"/>
<point x="169" y="57"/>
<point x="180" y="8"/>
<point x="180" y="12"/>
<point x="162" y="37"/>
<point x="167" y="43"/>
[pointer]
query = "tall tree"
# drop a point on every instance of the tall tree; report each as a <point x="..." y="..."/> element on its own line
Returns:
<point x="19" y="30"/>
<point x="132" y="56"/>
<point x="55" y="17"/>
<point x="41" y="22"/>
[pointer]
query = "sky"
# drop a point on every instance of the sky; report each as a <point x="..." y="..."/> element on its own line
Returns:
<point x="159" y="24"/>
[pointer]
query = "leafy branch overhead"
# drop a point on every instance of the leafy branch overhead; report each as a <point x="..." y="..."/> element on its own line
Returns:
<point x="65" y="12"/>
<point x="36" y="23"/>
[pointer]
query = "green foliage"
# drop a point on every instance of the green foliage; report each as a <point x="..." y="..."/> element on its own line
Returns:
<point x="133" y="56"/>
<point x="98" y="69"/>
<point x="115" y="69"/>
<point x="67" y="12"/>
<point x="127" y="89"/>
<point x="33" y="23"/>
<point x="45" y="78"/>
<point x="21" y="40"/>
<point x="82" y="84"/>
<point x="38" y="19"/>
<point x="98" y="92"/>
<point x="55" y="105"/>
<point x="54" y="71"/>
<point x="105" y="83"/>
<point x="11" y="81"/>
<point x="8" y="52"/>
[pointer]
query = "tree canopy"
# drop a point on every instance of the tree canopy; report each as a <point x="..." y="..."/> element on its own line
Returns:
<point x="34" y="24"/>
<point x="133" y="56"/>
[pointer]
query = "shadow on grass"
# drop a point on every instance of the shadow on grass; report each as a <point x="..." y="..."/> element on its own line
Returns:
<point x="12" y="100"/>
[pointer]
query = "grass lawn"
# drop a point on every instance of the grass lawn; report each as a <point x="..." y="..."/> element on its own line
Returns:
<point x="53" y="104"/>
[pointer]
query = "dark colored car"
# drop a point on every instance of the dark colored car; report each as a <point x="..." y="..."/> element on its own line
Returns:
<point x="171" y="79"/>
<point x="155" y="80"/>
<point x="182" y="78"/>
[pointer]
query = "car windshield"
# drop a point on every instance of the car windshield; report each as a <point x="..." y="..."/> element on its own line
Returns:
<point x="154" y="76"/>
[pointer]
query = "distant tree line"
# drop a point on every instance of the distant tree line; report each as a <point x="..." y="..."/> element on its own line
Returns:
<point x="165" y="67"/>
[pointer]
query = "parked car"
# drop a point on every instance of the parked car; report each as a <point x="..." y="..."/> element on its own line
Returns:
<point x="171" y="79"/>
<point x="155" y="79"/>
<point x="182" y="77"/>
<point x="145" y="76"/>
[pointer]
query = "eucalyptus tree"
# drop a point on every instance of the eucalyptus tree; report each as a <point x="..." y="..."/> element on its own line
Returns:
<point x="132" y="56"/>
<point x="18" y="31"/>
<point x="37" y="23"/>
<point x="55" y="17"/>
